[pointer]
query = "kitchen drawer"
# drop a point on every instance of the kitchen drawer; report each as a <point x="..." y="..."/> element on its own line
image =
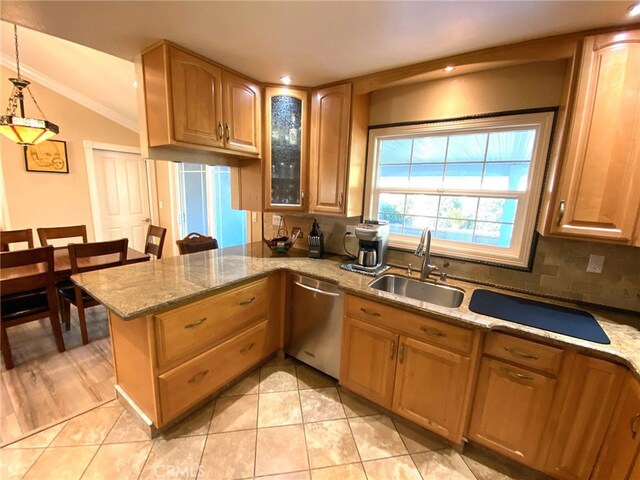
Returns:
<point x="194" y="380"/>
<point x="185" y="330"/>
<point x="434" y="332"/>
<point x="543" y="358"/>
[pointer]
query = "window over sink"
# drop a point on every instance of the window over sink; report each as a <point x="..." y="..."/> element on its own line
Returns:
<point x="475" y="183"/>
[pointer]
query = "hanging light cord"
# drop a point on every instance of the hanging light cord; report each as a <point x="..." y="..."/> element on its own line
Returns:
<point x="15" y="39"/>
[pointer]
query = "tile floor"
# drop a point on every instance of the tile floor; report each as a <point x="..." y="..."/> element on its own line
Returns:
<point x="283" y="421"/>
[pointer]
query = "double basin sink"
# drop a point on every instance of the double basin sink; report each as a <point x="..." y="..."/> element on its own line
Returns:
<point x="442" y="295"/>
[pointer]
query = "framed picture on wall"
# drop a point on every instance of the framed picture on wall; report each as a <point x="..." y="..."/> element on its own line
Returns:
<point x="49" y="156"/>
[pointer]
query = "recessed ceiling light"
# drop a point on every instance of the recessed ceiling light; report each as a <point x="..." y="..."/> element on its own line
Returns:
<point x="634" y="10"/>
<point x="286" y="79"/>
<point x="134" y="84"/>
<point x="449" y="68"/>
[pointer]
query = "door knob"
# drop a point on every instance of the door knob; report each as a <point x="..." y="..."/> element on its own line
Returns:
<point x="147" y="220"/>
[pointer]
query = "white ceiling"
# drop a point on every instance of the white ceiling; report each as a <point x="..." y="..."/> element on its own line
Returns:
<point x="315" y="42"/>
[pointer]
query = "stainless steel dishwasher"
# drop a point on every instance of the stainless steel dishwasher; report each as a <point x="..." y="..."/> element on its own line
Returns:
<point x="315" y="324"/>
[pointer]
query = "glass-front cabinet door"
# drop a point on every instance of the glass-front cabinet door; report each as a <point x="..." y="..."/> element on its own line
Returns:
<point x="286" y="152"/>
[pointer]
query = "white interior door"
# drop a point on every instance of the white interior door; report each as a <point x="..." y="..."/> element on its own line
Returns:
<point x="120" y="195"/>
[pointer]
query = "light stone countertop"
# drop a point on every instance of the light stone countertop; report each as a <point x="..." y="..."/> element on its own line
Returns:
<point x="144" y="288"/>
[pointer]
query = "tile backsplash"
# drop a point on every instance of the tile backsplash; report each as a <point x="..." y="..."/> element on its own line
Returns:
<point x="559" y="267"/>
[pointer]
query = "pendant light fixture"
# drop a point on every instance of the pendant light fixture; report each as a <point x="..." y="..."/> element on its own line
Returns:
<point x="21" y="129"/>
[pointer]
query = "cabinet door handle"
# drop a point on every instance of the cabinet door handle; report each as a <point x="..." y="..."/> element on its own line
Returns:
<point x="433" y="331"/>
<point x="247" y="348"/>
<point x="227" y="129"/>
<point x="511" y="373"/>
<point x="635" y="421"/>
<point x="247" y="302"/>
<point x="521" y="354"/>
<point x="371" y="313"/>
<point x="401" y="354"/>
<point x="393" y="350"/>
<point x="340" y="199"/>
<point x="195" y="324"/>
<point x="198" y="376"/>
<point x="220" y="131"/>
<point x="560" y="212"/>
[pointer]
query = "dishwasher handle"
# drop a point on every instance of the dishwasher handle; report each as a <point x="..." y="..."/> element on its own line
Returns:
<point x="317" y="290"/>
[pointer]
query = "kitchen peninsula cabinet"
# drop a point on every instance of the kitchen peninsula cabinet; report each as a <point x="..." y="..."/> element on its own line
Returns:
<point x="193" y="103"/>
<point x="339" y="127"/>
<point x="416" y="366"/>
<point x="598" y="196"/>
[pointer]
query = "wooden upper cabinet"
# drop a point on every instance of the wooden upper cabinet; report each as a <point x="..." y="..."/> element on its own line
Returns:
<point x="430" y="387"/>
<point x="339" y="123"/>
<point x="242" y="106"/>
<point x="599" y="188"/>
<point x="196" y="92"/>
<point x="622" y="444"/>
<point x="368" y="361"/>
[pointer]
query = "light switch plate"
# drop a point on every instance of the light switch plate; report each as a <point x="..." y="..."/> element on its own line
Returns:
<point x="351" y="229"/>
<point x="596" y="262"/>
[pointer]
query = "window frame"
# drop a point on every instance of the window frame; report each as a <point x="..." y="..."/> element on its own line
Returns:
<point x="519" y="254"/>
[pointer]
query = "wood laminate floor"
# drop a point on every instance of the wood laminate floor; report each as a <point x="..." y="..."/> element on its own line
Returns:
<point x="46" y="386"/>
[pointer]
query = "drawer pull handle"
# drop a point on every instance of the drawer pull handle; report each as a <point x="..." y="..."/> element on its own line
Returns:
<point x="248" y="347"/>
<point x="393" y="349"/>
<point x="196" y="324"/>
<point x="371" y="313"/>
<point x="198" y="376"/>
<point x="401" y="354"/>
<point x="635" y="420"/>
<point x="560" y="212"/>
<point x="433" y="331"/>
<point x="247" y="302"/>
<point x="521" y="354"/>
<point x="520" y="376"/>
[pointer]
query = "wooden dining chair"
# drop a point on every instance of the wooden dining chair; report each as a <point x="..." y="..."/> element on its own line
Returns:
<point x="52" y="233"/>
<point x="15" y="236"/>
<point x="151" y="247"/>
<point x="196" y="242"/>
<point x="114" y="253"/>
<point x="29" y="296"/>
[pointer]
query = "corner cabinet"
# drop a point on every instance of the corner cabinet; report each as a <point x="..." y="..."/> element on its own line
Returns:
<point x="286" y="151"/>
<point x="339" y="126"/>
<point x="598" y="195"/>
<point x="191" y="102"/>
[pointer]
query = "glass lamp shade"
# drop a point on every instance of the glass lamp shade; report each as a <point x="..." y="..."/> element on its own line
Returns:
<point x="27" y="131"/>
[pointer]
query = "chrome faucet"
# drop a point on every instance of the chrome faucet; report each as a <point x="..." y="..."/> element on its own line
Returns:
<point x="424" y="250"/>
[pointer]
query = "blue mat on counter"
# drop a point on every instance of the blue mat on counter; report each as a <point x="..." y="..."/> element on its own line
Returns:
<point x="553" y="318"/>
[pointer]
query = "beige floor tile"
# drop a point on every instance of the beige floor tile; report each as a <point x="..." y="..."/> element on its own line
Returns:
<point x="353" y="407"/>
<point x="40" y="439"/>
<point x="14" y="462"/>
<point x="279" y="362"/>
<point x="442" y="464"/>
<point x="126" y="429"/>
<point x="487" y="467"/>
<point x="279" y="408"/>
<point x="289" y="476"/>
<point x="281" y="450"/>
<point x="321" y="404"/>
<point x="90" y="428"/>
<point x="398" y="468"/>
<point x="176" y="457"/>
<point x="310" y="378"/>
<point x="278" y="379"/>
<point x="196" y="423"/>
<point x="122" y="461"/>
<point x="234" y="413"/>
<point x="342" y="472"/>
<point x="418" y="441"/>
<point x="68" y="463"/>
<point x="376" y="437"/>
<point x="249" y="385"/>
<point x="330" y="443"/>
<point x="229" y="455"/>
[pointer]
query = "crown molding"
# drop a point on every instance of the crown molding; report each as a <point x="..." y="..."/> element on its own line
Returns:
<point x="70" y="93"/>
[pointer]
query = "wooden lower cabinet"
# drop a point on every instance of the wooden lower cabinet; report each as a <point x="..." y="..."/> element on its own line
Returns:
<point x="368" y="360"/>
<point x="430" y="387"/>
<point x="621" y="446"/>
<point x="511" y="410"/>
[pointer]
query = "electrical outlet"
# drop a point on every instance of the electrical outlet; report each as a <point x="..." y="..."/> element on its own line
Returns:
<point x="595" y="263"/>
<point x="275" y="220"/>
<point x="254" y="217"/>
<point x="351" y="229"/>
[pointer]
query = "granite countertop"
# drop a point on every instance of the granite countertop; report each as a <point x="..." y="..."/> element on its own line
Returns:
<point x="144" y="288"/>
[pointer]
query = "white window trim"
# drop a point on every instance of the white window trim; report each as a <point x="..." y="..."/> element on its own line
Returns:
<point x="518" y="254"/>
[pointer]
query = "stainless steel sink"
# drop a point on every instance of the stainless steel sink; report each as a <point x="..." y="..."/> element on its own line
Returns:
<point x="442" y="295"/>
